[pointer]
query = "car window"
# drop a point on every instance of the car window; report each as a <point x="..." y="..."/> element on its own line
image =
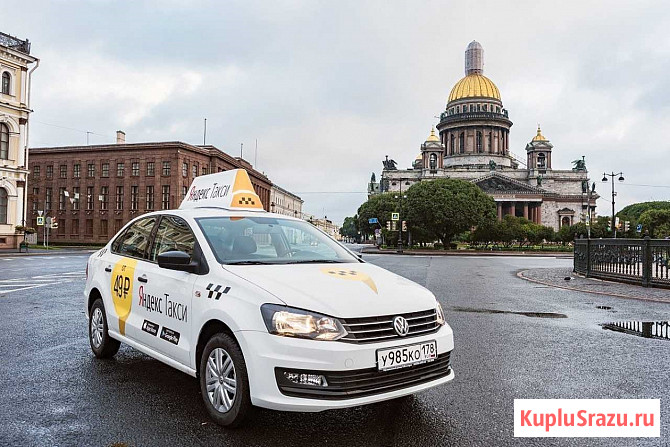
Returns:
<point x="269" y="240"/>
<point x="134" y="242"/>
<point x="173" y="234"/>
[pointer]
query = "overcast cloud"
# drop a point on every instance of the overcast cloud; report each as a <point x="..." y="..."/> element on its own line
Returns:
<point x="330" y="88"/>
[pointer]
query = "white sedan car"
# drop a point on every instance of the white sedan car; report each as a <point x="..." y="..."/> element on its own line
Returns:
<point x="264" y="309"/>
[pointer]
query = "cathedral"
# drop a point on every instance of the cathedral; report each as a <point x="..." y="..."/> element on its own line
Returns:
<point x="473" y="145"/>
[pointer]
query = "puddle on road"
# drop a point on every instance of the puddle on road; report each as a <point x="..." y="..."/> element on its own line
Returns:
<point x="646" y="329"/>
<point x="495" y="311"/>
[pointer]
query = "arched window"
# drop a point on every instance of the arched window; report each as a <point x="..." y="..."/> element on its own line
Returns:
<point x="490" y="142"/>
<point x="541" y="161"/>
<point x="6" y="81"/>
<point x="461" y="143"/>
<point x="3" y="206"/>
<point x="4" y="141"/>
<point x="452" y="151"/>
<point x="433" y="161"/>
<point x="479" y="142"/>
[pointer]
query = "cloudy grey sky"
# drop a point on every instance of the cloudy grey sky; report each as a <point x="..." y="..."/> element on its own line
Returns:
<point x="330" y="88"/>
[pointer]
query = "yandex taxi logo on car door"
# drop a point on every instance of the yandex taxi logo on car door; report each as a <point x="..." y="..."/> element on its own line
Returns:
<point x="163" y="305"/>
<point x="350" y="275"/>
<point x="228" y="189"/>
<point x="122" y="290"/>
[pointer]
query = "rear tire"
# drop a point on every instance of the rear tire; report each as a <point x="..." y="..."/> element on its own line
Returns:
<point x="102" y="345"/>
<point x="224" y="383"/>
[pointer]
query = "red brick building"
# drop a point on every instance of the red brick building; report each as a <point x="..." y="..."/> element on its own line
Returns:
<point x="118" y="182"/>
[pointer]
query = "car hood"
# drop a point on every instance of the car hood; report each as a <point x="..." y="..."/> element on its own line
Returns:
<point x="341" y="290"/>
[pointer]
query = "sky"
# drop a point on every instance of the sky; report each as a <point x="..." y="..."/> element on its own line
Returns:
<point x="327" y="89"/>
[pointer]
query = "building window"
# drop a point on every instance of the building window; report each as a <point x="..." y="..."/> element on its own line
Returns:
<point x="76" y="171"/>
<point x="119" y="197"/>
<point x="104" y="194"/>
<point x="105" y="170"/>
<point x="89" y="197"/>
<point x="479" y="142"/>
<point x="135" y="169"/>
<point x="165" y="200"/>
<point x="3" y="206"/>
<point x="433" y="161"/>
<point x="75" y="198"/>
<point x="151" y="168"/>
<point x="4" y="141"/>
<point x="36" y="193"/>
<point x="461" y="143"/>
<point x="118" y="223"/>
<point x="166" y="168"/>
<point x="6" y="82"/>
<point x="50" y="171"/>
<point x="89" y="227"/>
<point x="194" y="170"/>
<point x="63" y="171"/>
<point x="47" y="199"/>
<point x="150" y="198"/>
<point x="184" y="169"/>
<point x="134" y="197"/>
<point x="541" y="161"/>
<point x="61" y="198"/>
<point x="119" y="169"/>
<point x="91" y="170"/>
<point x="36" y="170"/>
<point x="104" y="228"/>
<point x="184" y="189"/>
<point x="75" y="227"/>
<point x="452" y="151"/>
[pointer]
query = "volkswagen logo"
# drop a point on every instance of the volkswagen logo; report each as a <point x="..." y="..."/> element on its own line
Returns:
<point x="401" y="326"/>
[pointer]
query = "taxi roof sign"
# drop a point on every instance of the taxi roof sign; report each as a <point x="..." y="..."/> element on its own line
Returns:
<point x="227" y="189"/>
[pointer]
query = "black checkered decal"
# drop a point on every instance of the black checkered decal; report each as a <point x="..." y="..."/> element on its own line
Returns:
<point x="246" y="201"/>
<point x="216" y="289"/>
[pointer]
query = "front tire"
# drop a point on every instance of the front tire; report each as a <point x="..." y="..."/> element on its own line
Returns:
<point x="224" y="383"/>
<point x="102" y="345"/>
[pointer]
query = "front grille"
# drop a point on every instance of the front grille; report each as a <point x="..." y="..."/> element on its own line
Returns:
<point x="374" y="329"/>
<point x="365" y="382"/>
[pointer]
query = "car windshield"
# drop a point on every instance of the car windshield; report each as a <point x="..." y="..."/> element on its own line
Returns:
<point x="270" y="240"/>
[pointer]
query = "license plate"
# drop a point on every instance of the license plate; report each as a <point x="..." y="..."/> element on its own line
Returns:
<point x="404" y="356"/>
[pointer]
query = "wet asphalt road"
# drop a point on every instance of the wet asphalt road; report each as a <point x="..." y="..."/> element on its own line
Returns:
<point x="54" y="392"/>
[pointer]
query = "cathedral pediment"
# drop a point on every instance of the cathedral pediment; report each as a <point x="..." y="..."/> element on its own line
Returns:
<point x="499" y="184"/>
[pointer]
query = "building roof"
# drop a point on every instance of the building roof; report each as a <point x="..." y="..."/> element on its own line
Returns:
<point x="14" y="43"/>
<point x="432" y="136"/>
<point x="539" y="136"/>
<point x="474" y="86"/>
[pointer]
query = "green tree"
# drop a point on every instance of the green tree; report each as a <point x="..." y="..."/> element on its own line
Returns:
<point x="350" y="227"/>
<point x="379" y="206"/>
<point x="635" y="210"/>
<point x="657" y="222"/>
<point x="446" y="207"/>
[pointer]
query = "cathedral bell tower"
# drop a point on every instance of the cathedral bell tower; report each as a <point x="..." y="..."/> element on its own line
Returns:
<point x="539" y="154"/>
<point x="432" y="153"/>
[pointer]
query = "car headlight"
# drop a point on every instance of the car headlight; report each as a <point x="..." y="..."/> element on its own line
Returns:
<point x="291" y="322"/>
<point x="440" y="315"/>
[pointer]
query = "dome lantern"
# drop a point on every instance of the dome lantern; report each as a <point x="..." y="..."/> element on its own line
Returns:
<point x="474" y="58"/>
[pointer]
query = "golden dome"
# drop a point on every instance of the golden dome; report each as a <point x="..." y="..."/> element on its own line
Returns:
<point x="419" y="157"/>
<point x="474" y="86"/>
<point x="432" y="136"/>
<point x="539" y="136"/>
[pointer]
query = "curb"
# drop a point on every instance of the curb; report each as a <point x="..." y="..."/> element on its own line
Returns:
<point x="520" y="274"/>
<point x="372" y="251"/>
<point x="49" y="253"/>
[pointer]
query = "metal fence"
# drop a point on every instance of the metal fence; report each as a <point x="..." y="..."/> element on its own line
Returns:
<point x="645" y="262"/>
<point x="646" y="329"/>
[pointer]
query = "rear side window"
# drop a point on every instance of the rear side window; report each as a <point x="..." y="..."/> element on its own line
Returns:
<point x="134" y="242"/>
<point x="173" y="234"/>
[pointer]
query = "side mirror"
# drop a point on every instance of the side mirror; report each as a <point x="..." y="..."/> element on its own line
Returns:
<point x="177" y="260"/>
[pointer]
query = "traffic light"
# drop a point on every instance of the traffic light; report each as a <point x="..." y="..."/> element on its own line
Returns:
<point x="388" y="225"/>
<point x="404" y="225"/>
<point x="626" y="226"/>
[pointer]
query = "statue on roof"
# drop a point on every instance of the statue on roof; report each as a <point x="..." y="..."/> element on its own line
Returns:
<point x="492" y="165"/>
<point x="389" y="165"/>
<point x="373" y="179"/>
<point x="579" y="165"/>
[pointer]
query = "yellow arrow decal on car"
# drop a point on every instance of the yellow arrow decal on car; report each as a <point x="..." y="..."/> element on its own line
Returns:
<point x="350" y="275"/>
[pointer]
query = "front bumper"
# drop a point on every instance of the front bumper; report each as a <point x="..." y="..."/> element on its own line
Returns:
<point x="267" y="354"/>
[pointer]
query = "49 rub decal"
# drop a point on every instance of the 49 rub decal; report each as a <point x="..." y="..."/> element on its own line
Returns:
<point x="122" y="290"/>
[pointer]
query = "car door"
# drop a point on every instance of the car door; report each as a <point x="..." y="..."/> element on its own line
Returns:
<point x="122" y="264"/>
<point x="165" y="295"/>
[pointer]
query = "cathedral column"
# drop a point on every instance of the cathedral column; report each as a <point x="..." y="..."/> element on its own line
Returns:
<point x="525" y="210"/>
<point x="499" y="206"/>
<point x="539" y="213"/>
<point x="532" y="213"/>
<point x="512" y="209"/>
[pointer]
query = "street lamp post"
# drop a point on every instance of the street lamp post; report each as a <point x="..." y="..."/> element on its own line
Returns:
<point x="621" y="179"/>
<point x="400" y="197"/>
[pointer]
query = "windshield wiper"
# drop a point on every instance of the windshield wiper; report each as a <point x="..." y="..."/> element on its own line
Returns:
<point x="249" y="263"/>
<point x="318" y="261"/>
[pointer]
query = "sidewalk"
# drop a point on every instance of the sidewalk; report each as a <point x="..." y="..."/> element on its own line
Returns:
<point x="555" y="277"/>
<point x="393" y="251"/>
<point x="13" y="252"/>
